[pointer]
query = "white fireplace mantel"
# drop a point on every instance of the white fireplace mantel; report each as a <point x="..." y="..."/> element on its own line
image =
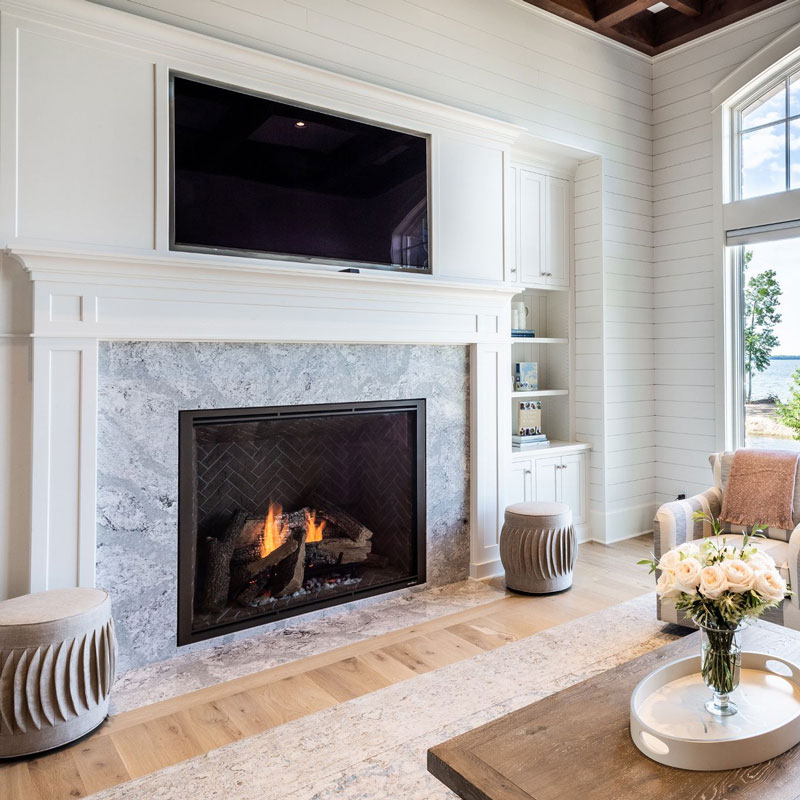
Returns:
<point x="80" y="299"/>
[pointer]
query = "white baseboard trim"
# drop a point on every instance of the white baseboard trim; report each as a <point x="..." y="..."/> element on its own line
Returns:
<point x="624" y="523"/>
<point x="488" y="569"/>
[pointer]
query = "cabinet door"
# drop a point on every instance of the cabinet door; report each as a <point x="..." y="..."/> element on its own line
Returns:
<point x="512" y="219"/>
<point x="530" y="223"/>
<point x="573" y="486"/>
<point x="519" y="484"/>
<point x="557" y="238"/>
<point x="548" y="478"/>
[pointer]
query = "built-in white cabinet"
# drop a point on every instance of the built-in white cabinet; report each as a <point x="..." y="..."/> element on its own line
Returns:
<point x="538" y="224"/>
<point x="549" y="478"/>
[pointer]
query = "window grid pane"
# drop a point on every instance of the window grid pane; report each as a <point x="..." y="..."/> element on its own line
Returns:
<point x="763" y="161"/>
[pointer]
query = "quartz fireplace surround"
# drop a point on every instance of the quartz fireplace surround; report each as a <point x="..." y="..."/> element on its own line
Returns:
<point x="354" y="466"/>
<point x="283" y="510"/>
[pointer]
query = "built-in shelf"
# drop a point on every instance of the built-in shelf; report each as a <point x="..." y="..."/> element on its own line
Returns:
<point x="556" y="448"/>
<point x="537" y="340"/>
<point x="542" y="393"/>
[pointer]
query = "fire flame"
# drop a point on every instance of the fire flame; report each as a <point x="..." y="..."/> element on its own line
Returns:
<point x="313" y="528"/>
<point x="276" y="530"/>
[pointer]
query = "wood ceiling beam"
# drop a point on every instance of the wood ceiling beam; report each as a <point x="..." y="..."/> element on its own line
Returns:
<point x="612" y="12"/>
<point x="675" y="29"/>
<point x="691" y="8"/>
<point x="582" y="12"/>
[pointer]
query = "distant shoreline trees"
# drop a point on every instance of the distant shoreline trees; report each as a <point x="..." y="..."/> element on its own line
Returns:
<point x="762" y="297"/>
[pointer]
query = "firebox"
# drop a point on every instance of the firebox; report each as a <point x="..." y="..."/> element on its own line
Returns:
<point x="287" y="509"/>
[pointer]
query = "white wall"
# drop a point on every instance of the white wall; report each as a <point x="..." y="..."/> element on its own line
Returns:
<point x="507" y="61"/>
<point x="686" y="352"/>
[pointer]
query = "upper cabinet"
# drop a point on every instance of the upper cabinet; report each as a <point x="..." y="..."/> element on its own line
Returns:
<point x="538" y="226"/>
<point x="468" y="215"/>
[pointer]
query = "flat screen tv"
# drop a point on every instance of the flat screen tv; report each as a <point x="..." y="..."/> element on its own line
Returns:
<point x="252" y="175"/>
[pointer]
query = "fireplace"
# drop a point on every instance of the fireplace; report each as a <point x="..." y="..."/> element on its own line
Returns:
<point x="287" y="509"/>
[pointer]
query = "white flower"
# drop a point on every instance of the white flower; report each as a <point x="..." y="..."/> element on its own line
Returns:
<point x="687" y="576"/>
<point x="669" y="561"/>
<point x="713" y="581"/>
<point x="665" y="587"/>
<point x="769" y="585"/>
<point x="689" y="548"/>
<point x="739" y="574"/>
<point x="761" y="561"/>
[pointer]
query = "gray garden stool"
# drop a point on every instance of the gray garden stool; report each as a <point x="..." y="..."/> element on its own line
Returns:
<point x="538" y="547"/>
<point x="57" y="654"/>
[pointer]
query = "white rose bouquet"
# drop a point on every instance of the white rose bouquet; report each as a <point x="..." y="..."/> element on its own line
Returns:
<point x="719" y="586"/>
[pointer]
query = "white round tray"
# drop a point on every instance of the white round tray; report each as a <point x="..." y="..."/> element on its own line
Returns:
<point x="670" y="724"/>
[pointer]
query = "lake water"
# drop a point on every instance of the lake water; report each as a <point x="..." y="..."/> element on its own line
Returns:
<point x="776" y="379"/>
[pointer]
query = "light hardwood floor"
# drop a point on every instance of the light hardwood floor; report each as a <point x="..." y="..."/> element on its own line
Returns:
<point x="150" y="738"/>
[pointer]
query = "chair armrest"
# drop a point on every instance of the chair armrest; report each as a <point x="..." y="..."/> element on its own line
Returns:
<point x="794" y="565"/>
<point x="674" y="525"/>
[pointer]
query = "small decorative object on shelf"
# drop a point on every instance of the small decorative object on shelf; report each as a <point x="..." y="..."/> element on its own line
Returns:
<point x="722" y="588"/>
<point x="523" y="333"/>
<point x="526" y="376"/>
<point x="519" y="315"/>
<point x="529" y="417"/>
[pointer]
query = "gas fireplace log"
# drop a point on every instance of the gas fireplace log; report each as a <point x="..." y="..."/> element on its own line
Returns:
<point x="250" y="542"/>
<point x="287" y="577"/>
<point x="343" y="522"/>
<point x="218" y="564"/>
<point x="256" y="576"/>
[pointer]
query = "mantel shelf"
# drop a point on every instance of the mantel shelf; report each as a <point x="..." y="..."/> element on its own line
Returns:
<point x="542" y="393"/>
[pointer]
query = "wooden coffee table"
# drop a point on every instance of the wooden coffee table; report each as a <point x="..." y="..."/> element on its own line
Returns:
<point x="576" y="745"/>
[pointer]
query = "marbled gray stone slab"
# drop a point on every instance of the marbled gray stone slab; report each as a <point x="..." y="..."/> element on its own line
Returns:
<point x="143" y="386"/>
<point x="375" y="746"/>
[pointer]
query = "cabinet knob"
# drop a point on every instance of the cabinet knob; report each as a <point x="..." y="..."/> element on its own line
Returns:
<point x="527" y="472"/>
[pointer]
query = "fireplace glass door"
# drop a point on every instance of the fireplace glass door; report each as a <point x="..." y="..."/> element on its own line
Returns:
<point x="283" y="510"/>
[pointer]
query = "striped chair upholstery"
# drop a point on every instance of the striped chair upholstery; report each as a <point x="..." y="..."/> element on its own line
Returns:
<point x="674" y="525"/>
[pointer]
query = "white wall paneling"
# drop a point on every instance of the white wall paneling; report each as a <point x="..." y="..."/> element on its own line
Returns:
<point x="63" y="486"/>
<point x="489" y="401"/>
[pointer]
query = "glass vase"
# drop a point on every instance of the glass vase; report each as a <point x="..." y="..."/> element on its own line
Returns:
<point x="721" y="656"/>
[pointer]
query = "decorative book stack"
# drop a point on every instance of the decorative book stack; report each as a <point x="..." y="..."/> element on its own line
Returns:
<point x="533" y="442"/>
<point x="523" y="333"/>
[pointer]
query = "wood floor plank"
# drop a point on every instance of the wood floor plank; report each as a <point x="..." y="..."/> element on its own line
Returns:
<point x="211" y="726"/>
<point x="391" y="669"/>
<point x="294" y="697"/>
<point x="246" y="713"/>
<point x="138" y="751"/>
<point x="56" y="777"/>
<point x="348" y="678"/>
<point x="99" y="764"/>
<point x="480" y="634"/>
<point x="16" y="782"/>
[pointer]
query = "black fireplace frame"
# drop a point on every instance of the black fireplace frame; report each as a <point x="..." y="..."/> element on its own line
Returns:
<point x="187" y="507"/>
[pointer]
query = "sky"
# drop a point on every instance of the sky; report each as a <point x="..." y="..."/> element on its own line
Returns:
<point x="784" y="257"/>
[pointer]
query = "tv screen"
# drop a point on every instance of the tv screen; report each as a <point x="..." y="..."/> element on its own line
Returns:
<point x="255" y="176"/>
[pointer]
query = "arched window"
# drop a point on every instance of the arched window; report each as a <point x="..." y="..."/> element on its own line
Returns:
<point x="767" y="139"/>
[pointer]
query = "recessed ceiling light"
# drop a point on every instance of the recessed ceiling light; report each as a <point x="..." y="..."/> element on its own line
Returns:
<point x="299" y="124"/>
<point x="657" y="7"/>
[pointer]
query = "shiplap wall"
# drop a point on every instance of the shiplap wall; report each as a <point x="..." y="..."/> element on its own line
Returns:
<point x="684" y="280"/>
<point x="511" y="62"/>
<point x="590" y="375"/>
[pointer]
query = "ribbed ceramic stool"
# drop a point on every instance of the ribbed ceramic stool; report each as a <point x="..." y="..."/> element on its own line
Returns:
<point x="57" y="654"/>
<point x="538" y="547"/>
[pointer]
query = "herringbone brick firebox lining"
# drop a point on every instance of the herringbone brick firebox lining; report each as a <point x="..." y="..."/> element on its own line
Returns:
<point x="363" y="463"/>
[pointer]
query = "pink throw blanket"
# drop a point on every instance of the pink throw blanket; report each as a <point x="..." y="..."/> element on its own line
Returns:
<point x="760" y="489"/>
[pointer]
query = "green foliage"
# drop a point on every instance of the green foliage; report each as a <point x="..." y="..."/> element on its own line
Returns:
<point x="789" y="413"/>
<point x="761" y="300"/>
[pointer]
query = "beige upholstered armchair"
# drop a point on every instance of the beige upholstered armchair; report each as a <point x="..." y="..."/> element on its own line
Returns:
<point x="674" y="525"/>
